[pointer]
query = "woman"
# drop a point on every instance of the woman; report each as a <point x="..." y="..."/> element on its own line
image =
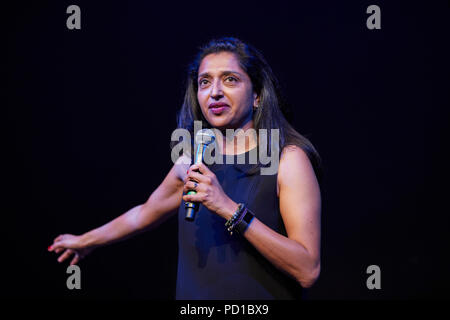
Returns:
<point x="274" y="251"/>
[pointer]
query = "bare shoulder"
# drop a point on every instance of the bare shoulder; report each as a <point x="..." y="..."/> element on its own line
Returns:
<point x="291" y="152"/>
<point x="295" y="168"/>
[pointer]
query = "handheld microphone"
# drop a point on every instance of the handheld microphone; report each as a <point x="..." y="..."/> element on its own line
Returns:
<point x="203" y="138"/>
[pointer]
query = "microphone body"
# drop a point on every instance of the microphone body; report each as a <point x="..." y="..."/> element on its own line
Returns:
<point x="203" y="138"/>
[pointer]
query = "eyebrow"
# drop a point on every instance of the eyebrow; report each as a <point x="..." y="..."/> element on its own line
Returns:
<point x="223" y="73"/>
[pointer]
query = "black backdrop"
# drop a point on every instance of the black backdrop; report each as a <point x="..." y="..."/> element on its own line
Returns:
<point x="90" y="113"/>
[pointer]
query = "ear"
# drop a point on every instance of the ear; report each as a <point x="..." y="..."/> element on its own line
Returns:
<point x="255" y="100"/>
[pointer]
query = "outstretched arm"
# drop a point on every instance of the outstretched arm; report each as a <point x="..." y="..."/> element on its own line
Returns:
<point x="161" y="204"/>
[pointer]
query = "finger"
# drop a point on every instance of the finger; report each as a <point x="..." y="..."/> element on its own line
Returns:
<point x="65" y="255"/>
<point x="57" y="245"/>
<point x="197" y="167"/>
<point x="203" y="169"/>
<point x="197" y="177"/>
<point x="193" y="167"/>
<point x="193" y="197"/>
<point x="58" y="238"/>
<point x="191" y="185"/>
<point x="189" y="178"/>
<point x="75" y="259"/>
<point x="200" y="168"/>
<point x="58" y="250"/>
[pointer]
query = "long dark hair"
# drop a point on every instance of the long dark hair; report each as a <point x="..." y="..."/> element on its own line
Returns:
<point x="271" y="110"/>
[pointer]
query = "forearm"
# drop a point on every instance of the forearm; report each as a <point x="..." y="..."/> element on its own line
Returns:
<point x="121" y="228"/>
<point x="286" y="254"/>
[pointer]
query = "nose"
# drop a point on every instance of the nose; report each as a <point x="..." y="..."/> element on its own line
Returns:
<point x="216" y="90"/>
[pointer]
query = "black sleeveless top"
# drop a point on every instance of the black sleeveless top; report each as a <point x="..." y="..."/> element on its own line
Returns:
<point x="212" y="264"/>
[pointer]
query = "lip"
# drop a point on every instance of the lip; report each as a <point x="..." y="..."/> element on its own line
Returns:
<point x="218" y="110"/>
<point x="218" y="105"/>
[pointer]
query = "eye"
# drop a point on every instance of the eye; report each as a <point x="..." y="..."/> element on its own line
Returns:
<point x="203" y="82"/>
<point x="233" y="79"/>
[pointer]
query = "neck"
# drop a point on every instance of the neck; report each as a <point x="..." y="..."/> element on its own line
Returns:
<point x="242" y="140"/>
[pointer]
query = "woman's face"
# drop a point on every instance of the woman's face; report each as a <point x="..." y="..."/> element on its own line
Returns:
<point x="225" y="92"/>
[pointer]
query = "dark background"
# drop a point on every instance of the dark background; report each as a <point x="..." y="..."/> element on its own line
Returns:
<point x="90" y="112"/>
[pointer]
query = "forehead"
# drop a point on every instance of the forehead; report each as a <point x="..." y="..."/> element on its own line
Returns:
<point x="217" y="62"/>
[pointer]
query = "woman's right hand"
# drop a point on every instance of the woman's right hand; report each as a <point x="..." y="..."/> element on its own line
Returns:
<point x="71" y="245"/>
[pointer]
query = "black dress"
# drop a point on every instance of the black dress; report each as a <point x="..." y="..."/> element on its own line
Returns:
<point x="212" y="264"/>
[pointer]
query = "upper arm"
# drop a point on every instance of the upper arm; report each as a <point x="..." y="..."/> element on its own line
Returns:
<point x="166" y="198"/>
<point x="300" y="199"/>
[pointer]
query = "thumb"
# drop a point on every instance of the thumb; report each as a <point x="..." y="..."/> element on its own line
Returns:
<point x="203" y="169"/>
<point x="57" y="246"/>
<point x="56" y="242"/>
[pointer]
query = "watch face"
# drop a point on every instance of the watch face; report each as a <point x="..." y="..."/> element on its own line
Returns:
<point x="248" y="216"/>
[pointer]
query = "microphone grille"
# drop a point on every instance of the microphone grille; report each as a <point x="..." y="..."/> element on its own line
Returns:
<point x="204" y="136"/>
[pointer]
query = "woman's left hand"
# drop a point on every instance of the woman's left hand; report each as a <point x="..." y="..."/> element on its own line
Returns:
<point x="209" y="191"/>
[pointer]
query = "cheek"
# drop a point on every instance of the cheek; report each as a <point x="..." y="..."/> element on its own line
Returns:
<point x="201" y="97"/>
<point x="245" y="100"/>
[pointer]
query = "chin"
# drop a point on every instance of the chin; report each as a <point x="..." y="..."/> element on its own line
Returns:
<point x="219" y="123"/>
